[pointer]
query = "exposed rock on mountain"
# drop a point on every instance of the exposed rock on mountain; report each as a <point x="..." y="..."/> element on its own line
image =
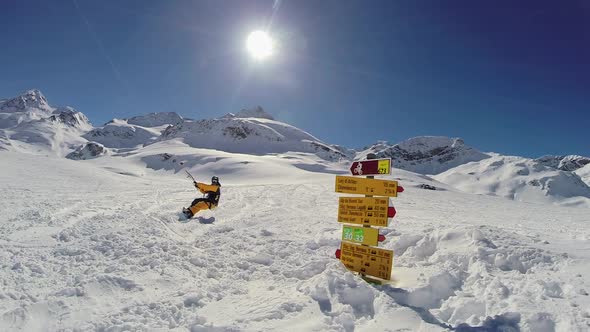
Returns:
<point x="89" y="150"/>
<point x="564" y="163"/>
<point x="155" y="119"/>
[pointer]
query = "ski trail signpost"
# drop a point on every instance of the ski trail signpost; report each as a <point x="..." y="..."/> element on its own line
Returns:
<point x="358" y="250"/>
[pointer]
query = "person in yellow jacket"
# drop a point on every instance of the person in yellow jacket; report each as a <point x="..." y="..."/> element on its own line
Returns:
<point x="212" y="193"/>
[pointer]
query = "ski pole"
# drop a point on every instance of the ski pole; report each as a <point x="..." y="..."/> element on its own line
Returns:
<point x="190" y="176"/>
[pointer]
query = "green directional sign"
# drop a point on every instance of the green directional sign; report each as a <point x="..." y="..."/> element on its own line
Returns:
<point x="362" y="235"/>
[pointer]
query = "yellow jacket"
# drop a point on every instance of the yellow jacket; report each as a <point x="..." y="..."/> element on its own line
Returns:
<point x="212" y="191"/>
<point x="205" y="188"/>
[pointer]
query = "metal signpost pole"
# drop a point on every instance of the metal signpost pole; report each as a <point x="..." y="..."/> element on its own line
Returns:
<point x="370" y="156"/>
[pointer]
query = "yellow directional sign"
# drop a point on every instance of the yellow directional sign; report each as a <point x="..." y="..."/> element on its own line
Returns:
<point x="363" y="210"/>
<point x="363" y="235"/>
<point x="371" y="261"/>
<point x="364" y="186"/>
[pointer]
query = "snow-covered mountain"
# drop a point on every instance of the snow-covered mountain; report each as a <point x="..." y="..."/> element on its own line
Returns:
<point x="120" y="134"/>
<point x="425" y="154"/>
<point x="31" y="105"/>
<point x="133" y="132"/>
<point x="29" y="124"/>
<point x="564" y="163"/>
<point x="249" y="135"/>
<point x="520" y="179"/>
<point x="31" y="100"/>
<point x="155" y="119"/>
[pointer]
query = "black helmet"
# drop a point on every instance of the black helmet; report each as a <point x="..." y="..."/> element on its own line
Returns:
<point x="215" y="180"/>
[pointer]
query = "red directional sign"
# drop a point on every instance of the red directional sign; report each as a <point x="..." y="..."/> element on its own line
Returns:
<point x="371" y="167"/>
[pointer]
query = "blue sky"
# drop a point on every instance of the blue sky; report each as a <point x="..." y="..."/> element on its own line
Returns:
<point x="507" y="76"/>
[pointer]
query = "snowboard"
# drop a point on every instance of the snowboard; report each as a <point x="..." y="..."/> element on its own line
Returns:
<point x="182" y="216"/>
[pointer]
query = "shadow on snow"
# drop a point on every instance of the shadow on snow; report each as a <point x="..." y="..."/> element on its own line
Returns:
<point x="507" y="322"/>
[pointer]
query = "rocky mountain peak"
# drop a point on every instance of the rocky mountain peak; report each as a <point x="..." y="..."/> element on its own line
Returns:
<point x="257" y="112"/>
<point x="29" y="100"/>
<point x="70" y="117"/>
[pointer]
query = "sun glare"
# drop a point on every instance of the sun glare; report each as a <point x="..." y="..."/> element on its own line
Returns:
<point x="260" y="45"/>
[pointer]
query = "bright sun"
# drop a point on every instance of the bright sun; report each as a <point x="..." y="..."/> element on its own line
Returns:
<point x="260" y="45"/>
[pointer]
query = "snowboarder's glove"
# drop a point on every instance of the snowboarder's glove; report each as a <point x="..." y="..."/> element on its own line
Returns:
<point x="196" y="184"/>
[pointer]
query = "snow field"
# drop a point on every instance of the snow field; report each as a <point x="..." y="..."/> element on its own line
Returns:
<point x="97" y="245"/>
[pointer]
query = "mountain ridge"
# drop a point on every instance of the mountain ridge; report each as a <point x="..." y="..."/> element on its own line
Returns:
<point x="30" y="124"/>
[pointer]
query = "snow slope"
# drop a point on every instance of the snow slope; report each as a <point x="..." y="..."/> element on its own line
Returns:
<point x="95" y="245"/>
<point x="519" y="179"/>
<point x="425" y="154"/>
<point x="584" y="174"/>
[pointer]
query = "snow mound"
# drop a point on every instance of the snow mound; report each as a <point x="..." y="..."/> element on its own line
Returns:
<point x="257" y="112"/>
<point x="426" y="154"/>
<point x="88" y="151"/>
<point x="249" y="136"/>
<point x="518" y="178"/>
<point x="155" y="119"/>
<point x="120" y="134"/>
<point x="482" y="272"/>
<point x="564" y="163"/>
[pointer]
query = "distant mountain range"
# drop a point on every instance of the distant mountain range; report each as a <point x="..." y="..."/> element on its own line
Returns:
<point x="29" y="124"/>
